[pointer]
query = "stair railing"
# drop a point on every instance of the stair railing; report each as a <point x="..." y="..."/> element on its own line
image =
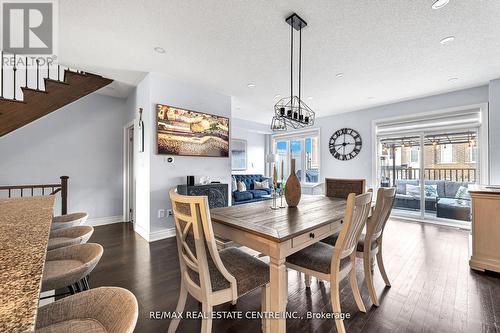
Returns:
<point x="41" y="189"/>
<point x="29" y="82"/>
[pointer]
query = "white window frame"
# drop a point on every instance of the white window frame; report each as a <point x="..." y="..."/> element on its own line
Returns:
<point x="470" y="151"/>
<point x="299" y="135"/>
<point x="446" y="154"/>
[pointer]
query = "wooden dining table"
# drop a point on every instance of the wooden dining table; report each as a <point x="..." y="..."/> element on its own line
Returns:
<point x="24" y="234"/>
<point x="278" y="234"/>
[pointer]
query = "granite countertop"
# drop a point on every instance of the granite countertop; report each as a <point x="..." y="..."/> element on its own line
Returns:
<point x="488" y="189"/>
<point x="24" y="233"/>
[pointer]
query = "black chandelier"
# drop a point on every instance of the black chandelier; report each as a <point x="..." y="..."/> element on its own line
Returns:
<point x="292" y="111"/>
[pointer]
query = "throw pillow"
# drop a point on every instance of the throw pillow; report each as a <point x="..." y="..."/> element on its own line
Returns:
<point x="241" y="187"/>
<point x="234" y="184"/>
<point x="261" y="185"/>
<point x="463" y="193"/>
<point x="413" y="190"/>
<point x="431" y="191"/>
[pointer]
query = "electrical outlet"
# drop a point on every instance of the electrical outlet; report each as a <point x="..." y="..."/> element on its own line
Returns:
<point x="161" y="213"/>
<point x="169" y="212"/>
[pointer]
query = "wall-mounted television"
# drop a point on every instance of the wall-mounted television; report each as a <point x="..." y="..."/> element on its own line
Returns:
<point x="190" y="133"/>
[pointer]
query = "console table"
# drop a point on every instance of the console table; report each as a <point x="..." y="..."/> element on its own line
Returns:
<point x="217" y="193"/>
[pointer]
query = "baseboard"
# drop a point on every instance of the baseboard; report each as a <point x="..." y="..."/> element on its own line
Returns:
<point x="141" y="232"/>
<point x="104" y="220"/>
<point x="161" y="234"/>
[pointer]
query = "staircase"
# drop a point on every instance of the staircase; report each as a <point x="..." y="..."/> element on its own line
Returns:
<point x="61" y="86"/>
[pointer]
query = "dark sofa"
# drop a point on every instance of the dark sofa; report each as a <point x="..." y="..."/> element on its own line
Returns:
<point x="250" y="195"/>
<point x="445" y="204"/>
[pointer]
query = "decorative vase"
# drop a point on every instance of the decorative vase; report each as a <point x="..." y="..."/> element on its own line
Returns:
<point x="292" y="188"/>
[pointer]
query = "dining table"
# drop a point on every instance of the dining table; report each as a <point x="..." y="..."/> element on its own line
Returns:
<point x="24" y="235"/>
<point x="278" y="233"/>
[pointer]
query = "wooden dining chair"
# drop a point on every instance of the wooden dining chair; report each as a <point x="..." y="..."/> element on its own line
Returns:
<point x="341" y="188"/>
<point x="212" y="277"/>
<point x="334" y="263"/>
<point x="375" y="226"/>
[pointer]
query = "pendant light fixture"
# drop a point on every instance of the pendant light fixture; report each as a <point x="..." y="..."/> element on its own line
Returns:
<point x="292" y="111"/>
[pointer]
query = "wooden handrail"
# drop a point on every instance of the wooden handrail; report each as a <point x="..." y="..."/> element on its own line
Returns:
<point x="54" y="189"/>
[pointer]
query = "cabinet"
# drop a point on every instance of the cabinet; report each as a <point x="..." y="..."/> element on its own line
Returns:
<point x="217" y="193"/>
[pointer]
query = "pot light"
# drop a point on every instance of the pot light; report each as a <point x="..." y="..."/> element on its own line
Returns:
<point x="453" y="79"/>
<point x="251" y="85"/>
<point x="339" y="75"/>
<point x="159" y="49"/>
<point x="438" y="4"/>
<point x="310" y="98"/>
<point x="447" y="40"/>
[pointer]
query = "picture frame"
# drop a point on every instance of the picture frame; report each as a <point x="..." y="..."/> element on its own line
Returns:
<point x="239" y="155"/>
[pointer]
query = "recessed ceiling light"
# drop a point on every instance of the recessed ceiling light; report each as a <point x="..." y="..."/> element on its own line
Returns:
<point x="250" y="85"/>
<point x="447" y="40"/>
<point x="340" y="75"/>
<point x="453" y="79"/>
<point x="160" y="50"/>
<point x="310" y="98"/>
<point x="438" y="4"/>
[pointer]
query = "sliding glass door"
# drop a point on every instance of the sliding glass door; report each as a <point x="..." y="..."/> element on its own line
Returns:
<point x="431" y="172"/>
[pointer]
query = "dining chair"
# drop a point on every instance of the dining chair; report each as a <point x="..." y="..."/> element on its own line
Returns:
<point x="212" y="277"/>
<point x="334" y="263"/>
<point x="69" y="236"/>
<point x="375" y="226"/>
<point x="68" y="220"/>
<point x="341" y="188"/>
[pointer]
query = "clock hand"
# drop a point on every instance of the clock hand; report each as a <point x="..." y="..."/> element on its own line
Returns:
<point x="341" y="144"/>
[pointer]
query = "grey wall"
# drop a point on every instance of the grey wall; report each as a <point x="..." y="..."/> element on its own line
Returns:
<point x="84" y="141"/>
<point x="361" y="166"/>
<point x="494" y="122"/>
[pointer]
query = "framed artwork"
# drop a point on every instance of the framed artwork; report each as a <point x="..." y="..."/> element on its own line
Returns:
<point x="238" y="154"/>
<point x="190" y="133"/>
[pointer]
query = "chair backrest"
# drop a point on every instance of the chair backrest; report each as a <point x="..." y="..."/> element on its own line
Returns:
<point x="341" y="188"/>
<point x="196" y="244"/>
<point x="356" y="214"/>
<point x="376" y="224"/>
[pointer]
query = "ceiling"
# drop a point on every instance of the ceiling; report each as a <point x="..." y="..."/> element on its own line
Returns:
<point x="388" y="50"/>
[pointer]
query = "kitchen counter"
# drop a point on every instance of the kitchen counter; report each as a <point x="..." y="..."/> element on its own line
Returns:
<point x="24" y="233"/>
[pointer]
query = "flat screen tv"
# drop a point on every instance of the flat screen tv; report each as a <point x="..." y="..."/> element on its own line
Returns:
<point x="190" y="133"/>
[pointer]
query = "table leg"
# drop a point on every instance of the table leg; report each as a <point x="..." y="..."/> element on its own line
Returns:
<point x="279" y="293"/>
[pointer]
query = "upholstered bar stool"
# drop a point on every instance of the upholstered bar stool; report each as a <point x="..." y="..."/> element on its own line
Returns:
<point x="65" y="267"/>
<point x="69" y="220"/>
<point x="69" y="236"/>
<point x="105" y="309"/>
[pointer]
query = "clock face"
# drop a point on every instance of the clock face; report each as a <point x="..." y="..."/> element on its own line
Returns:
<point x="345" y="144"/>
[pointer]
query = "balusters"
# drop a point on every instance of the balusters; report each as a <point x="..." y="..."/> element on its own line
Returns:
<point x="48" y="70"/>
<point x="1" y="80"/>
<point x="26" y="70"/>
<point x="58" y="72"/>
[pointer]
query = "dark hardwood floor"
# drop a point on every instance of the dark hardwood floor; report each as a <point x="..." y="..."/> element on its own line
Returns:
<point x="433" y="289"/>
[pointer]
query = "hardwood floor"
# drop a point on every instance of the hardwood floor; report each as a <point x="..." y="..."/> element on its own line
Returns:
<point x="433" y="289"/>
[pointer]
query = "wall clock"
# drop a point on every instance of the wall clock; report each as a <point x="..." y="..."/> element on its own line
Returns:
<point x="345" y="144"/>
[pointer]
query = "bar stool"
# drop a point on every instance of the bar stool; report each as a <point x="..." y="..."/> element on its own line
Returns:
<point x="105" y="309"/>
<point x="65" y="267"/>
<point x="69" y="236"/>
<point x="69" y="220"/>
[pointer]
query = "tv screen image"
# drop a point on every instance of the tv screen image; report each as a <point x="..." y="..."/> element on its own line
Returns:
<point x="190" y="133"/>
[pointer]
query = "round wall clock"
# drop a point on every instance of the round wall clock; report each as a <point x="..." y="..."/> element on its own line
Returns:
<point x="345" y="144"/>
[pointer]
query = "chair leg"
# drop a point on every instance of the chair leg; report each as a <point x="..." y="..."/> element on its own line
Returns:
<point x="308" y="280"/>
<point x="78" y="288"/>
<point x="206" y="324"/>
<point x="335" y="298"/>
<point x="85" y="284"/>
<point x="180" y="307"/>
<point x="380" y="263"/>
<point x="71" y="290"/>
<point x="354" y="285"/>
<point x="367" y="258"/>
<point x="266" y="307"/>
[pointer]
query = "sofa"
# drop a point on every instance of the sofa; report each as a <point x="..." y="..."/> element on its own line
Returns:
<point x="251" y="194"/>
<point x="445" y="204"/>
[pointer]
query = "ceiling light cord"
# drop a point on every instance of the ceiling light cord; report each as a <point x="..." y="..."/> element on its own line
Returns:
<point x="291" y="64"/>
<point x="300" y="69"/>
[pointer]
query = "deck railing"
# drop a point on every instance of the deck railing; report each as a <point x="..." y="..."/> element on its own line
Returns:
<point x="41" y="189"/>
<point x="456" y="174"/>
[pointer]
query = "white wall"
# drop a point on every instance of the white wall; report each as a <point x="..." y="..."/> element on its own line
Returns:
<point x="361" y="121"/>
<point x="494" y="122"/>
<point x="162" y="176"/>
<point x="255" y="135"/>
<point x="83" y="140"/>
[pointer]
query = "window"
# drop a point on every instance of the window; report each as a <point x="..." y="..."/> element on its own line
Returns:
<point x="472" y="152"/>
<point x="304" y="149"/>
<point x="446" y="154"/>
